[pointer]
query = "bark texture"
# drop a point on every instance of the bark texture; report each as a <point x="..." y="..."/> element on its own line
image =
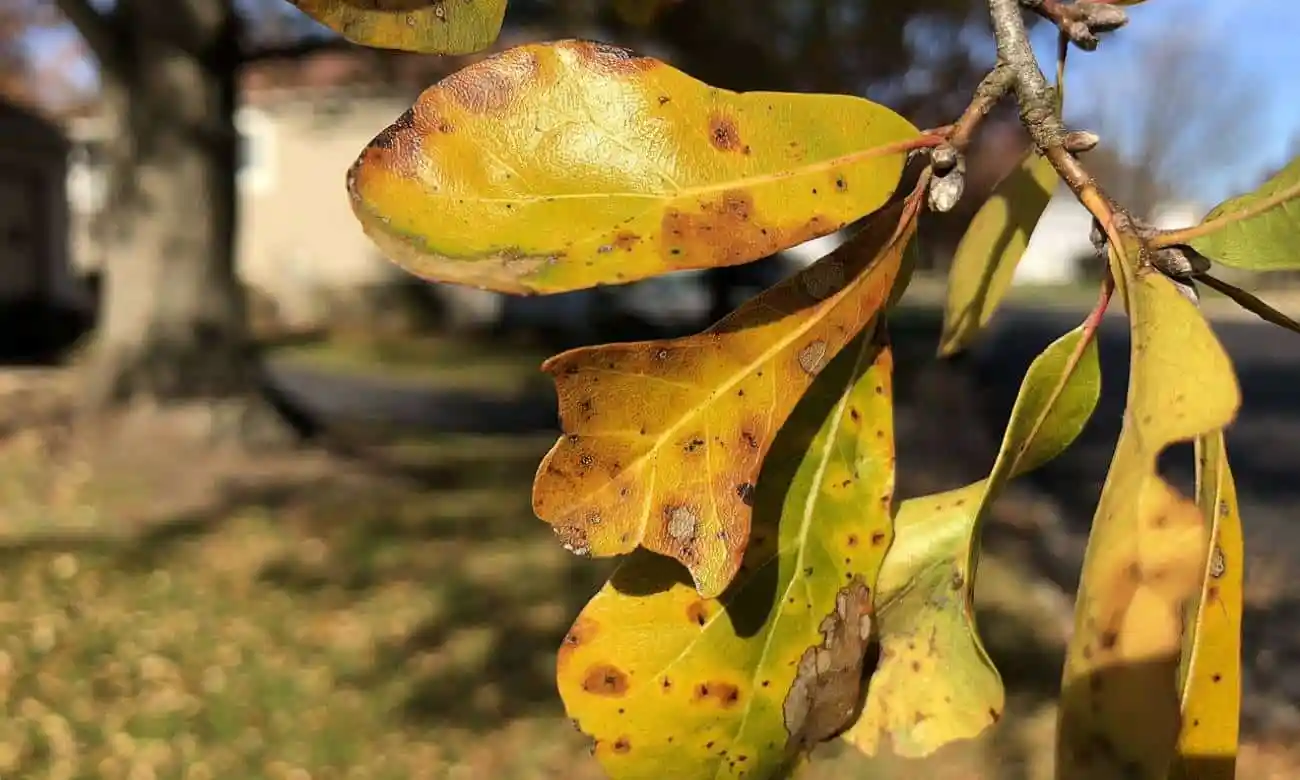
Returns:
<point x="173" y="327"/>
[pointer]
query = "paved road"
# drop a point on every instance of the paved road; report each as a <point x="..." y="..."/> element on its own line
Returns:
<point x="1264" y="444"/>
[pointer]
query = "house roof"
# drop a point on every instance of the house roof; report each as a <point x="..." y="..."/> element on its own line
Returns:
<point x="25" y="127"/>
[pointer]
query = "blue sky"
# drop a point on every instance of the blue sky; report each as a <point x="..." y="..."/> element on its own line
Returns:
<point x="1253" y="44"/>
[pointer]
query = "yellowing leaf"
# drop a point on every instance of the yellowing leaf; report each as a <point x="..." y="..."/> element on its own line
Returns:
<point x="935" y="683"/>
<point x="672" y="685"/>
<point x="432" y="26"/>
<point x="560" y="166"/>
<point x="1146" y="553"/>
<point x="1210" y="673"/>
<point x="663" y="440"/>
<point x="1259" y="230"/>
<point x="991" y="248"/>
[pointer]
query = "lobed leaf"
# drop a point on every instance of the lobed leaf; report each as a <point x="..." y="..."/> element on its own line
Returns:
<point x="1210" y="673"/>
<point x="925" y="615"/>
<point x="1259" y="230"/>
<point x="431" y="26"/>
<point x="1146" y="552"/>
<point x="663" y="440"/>
<point x="670" y="684"/>
<point x="560" y="166"/>
<point x="991" y="248"/>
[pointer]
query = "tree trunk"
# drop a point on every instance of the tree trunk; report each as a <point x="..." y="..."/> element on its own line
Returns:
<point x="173" y="326"/>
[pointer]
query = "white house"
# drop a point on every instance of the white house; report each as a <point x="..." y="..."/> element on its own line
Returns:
<point x="1063" y="237"/>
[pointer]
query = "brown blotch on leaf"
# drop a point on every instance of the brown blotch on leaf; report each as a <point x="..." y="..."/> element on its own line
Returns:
<point x="745" y="492"/>
<point x="573" y="538"/>
<point x="681" y="522"/>
<point x="582" y="632"/>
<point x="387" y="138"/>
<point x="611" y="59"/>
<point x="490" y="84"/>
<point x="825" y="695"/>
<point x="723" y="133"/>
<point x="622" y="744"/>
<point x="812" y="358"/>
<point x="1108" y="639"/>
<point x="724" y="693"/>
<point x="698" y="613"/>
<point x="726" y="231"/>
<point x="605" y="680"/>
<point x="877" y="538"/>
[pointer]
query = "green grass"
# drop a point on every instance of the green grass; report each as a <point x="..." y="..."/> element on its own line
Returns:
<point x="343" y="625"/>
<point x="453" y="363"/>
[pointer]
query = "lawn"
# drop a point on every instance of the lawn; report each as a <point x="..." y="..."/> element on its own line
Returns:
<point x="171" y="614"/>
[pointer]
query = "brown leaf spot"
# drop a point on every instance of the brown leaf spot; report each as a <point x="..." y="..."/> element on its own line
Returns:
<point x="698" y="612"/>
<point x="812" y="358"/>
<point x="724" y="693"/>
<point x="877" y="538"/>
<point x="574" y="539"/>
<point x="723" y="133"/>
<point x="606" y="58"/>
<point x="622" y="744"/>
<point x="582" y="632"/>
<point x="826" y="691"/>
<point x="489" y="85"/>
<point x="388" y="137"/>
<point x="726" y="231"/>
<point x="605" y="680"/>
<point x="745" y="492"/>
<point x="681" y="522"/>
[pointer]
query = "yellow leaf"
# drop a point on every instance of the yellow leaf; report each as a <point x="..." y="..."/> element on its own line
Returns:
<point x="672" y="685"/>
<point x="991" y="248"/>
<point x="560" y="166"/>
<point x="663" y="440"/>
<point x="432" y="26"/>
<point x="924" y="608"/>
<point x="1119" y="713"/>
<point x="1210" y="673"/>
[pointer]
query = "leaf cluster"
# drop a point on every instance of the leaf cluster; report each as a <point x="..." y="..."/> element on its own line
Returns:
<point x="746" y="473"/>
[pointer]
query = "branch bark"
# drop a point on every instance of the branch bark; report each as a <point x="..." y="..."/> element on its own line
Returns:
<point x="1079" y="22"/>
<point x="1038" y="112"/>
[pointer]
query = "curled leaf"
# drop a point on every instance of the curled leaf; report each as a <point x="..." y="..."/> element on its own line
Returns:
<point x="1250" y="303"/>
<point x="1259" y="231"/>
<point x="674" y="685"/>
<point x="663" y="440"/>
<point x="1146" y="552"/>
<point x="925" y="616"/>
<point x="1210" y="673"/>
<point x="991" y="248"/>
<point x="431" y="26"/>
<point x="560" y="166"/>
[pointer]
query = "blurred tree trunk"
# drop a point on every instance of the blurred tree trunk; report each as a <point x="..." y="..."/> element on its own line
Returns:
<point x="173" y="326"/>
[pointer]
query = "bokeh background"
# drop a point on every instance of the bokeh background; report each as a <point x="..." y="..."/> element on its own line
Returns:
<point x="264" y="500"/>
